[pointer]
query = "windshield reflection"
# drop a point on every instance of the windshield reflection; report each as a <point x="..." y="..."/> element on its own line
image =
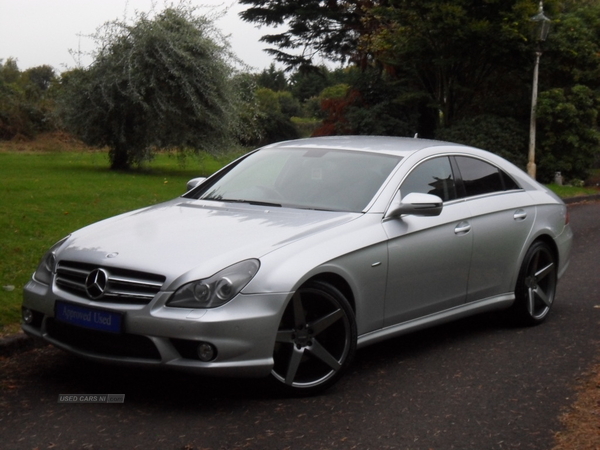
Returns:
<point x="319" y="179"/>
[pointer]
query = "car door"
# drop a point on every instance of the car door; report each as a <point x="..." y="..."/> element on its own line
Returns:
<point x="429" y="257"/>
<point x="502" y="216"/>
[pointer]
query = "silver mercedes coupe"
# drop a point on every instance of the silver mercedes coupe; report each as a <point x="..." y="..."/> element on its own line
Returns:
<point x="290" y="258"/>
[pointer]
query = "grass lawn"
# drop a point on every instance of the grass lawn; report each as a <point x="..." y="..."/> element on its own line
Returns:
<point x="44" y="195"/>
<point x="572" y="191"/>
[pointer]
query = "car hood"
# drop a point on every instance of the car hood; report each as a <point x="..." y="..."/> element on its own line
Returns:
<point x="193" y="236"/>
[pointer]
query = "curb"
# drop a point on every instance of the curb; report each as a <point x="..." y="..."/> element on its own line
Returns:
<point x="17" y="343"/>
<point x="21" y="342"/>
<point x="582" y="198"/>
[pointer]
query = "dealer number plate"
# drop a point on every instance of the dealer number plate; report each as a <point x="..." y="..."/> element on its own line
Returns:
<point x="91" y="318"/>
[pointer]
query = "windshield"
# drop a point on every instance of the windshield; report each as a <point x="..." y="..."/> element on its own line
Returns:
<point x="333" y="180"/>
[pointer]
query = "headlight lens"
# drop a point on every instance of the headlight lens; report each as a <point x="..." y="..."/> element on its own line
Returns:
<point x="216" y="290"/>
<point x="47" y="265"/>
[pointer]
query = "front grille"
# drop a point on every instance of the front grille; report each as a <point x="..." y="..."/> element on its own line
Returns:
<point x="99" y="343"/>
<point x="122" y="286"/>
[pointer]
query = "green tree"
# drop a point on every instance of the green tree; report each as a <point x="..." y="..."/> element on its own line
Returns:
<point x="162" y="82"/>
<point x="569" y="137"/>
<point x="275" y="110"/>
<point x="9" y="71"/>
<point x="26" y="106"/>
<point x="452" y="69"/>
<point x="249" y="130"/>
<point x="448" y="53"/>
<point x="374" y="104"/>
<point x="504" y="136"/>
<point x="451" y="50"/>
<point x="41" y="77"/>
<point x="11" y="116"/>
<point x="328" y="28"/>
<point x="273" y="79"/>
<point x="569" y="100"/>
<point x="309" y="83"/>
<point x="288" y="104"/>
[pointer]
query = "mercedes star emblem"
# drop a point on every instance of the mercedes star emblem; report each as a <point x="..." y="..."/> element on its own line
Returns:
<point x="95" y="283"/>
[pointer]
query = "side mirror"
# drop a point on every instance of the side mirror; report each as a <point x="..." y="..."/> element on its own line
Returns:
<point x="194" y="182"/>
<point x="416" y="204"/>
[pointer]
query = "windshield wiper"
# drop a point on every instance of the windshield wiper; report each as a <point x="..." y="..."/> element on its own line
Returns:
<point x="250" y="202"/>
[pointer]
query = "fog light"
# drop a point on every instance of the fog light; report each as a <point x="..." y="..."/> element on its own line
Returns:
<point x="206" y="352"/>
<point x="27" y="315"/>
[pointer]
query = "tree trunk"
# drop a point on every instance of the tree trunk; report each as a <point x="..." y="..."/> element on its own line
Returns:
<point x="119" y="158"/>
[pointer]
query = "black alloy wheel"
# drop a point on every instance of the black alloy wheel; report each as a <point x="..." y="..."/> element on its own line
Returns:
<point x="536" y="285"/>
<point x="316" y="340"/>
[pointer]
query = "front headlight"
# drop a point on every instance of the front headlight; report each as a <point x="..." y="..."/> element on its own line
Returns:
<point x="47" y="265"/>
<point x="216" y="290"/>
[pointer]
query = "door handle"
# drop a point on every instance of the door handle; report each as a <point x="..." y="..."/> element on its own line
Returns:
<point x="520" y="214"/>
<point x="462" y="228"/>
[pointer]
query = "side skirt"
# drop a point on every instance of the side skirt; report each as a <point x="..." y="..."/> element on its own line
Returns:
<point x="458" y="312"/>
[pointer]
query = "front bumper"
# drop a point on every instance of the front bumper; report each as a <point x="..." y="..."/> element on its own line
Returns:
<point x="242" y="331"/>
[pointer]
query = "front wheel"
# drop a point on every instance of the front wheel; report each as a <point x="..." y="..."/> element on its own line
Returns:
<point x="316" y="339"/>
<point x="536" y="285"/>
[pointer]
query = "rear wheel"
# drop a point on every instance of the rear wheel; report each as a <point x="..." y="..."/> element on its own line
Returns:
<point x="316" y="340"/>
<point x="536" y="286"/>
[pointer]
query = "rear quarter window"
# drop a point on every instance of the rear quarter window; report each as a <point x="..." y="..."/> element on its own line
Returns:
<point x="480" y="177"/>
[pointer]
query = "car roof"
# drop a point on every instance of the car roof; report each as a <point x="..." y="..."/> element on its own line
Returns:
<point x="401" y="146"/>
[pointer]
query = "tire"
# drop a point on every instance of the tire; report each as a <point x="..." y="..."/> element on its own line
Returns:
<point x="536" y="285"/>
<point x="316" y="340"/>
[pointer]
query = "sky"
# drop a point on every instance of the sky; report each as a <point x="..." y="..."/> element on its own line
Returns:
<point x="41" y="32"/>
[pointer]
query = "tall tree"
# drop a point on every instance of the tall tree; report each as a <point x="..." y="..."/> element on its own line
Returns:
<point x="447" y="52"/>
<point x="460" y="69"/>
<point x="9" y="71"/>
<point x="569" y="102"/>
<point x="26" y="107"/>
<point x="163" y="81"/>
<point x="451" y="50"/>
<point x="569" y="138"/>
<point x="273" y="79"/>
<point x="40" y="76"/>
<point x="329" y="28"/>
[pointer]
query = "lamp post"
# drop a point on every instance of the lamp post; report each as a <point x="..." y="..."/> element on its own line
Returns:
<point x="542" y="27"/>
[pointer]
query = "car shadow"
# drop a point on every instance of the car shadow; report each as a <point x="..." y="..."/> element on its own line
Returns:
<point x="168" y="389"/>
<point x="72" y="375"/>
<point x="418" y="342"/>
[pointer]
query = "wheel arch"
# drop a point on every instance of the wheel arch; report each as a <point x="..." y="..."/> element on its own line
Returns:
<point x="338" y="282"/>
<point x="317" y="336"/>
<point x="535" y="289"/>
<point x="547" y="239"/>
